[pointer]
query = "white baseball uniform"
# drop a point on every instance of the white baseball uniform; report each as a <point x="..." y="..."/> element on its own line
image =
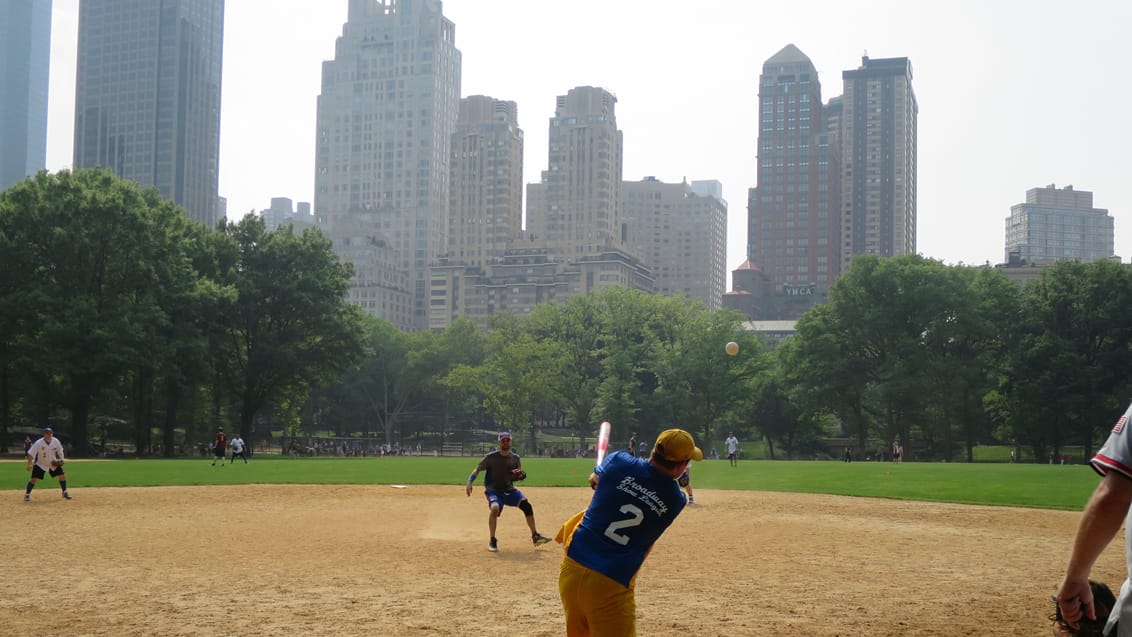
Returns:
<point x="44" y="452"/>
<point x="732" y="444"/>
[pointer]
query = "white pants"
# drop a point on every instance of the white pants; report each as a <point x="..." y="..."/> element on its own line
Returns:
<point x="1121" y="612"/>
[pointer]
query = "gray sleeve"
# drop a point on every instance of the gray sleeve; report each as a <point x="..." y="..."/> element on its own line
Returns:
<point x="1116" y="454"/>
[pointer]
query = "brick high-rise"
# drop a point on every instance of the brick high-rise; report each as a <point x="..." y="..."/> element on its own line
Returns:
<point x="793" y="226"/>
<point x="834" y="180"/>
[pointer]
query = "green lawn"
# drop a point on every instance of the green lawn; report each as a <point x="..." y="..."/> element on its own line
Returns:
<point x="1026" y="485"/>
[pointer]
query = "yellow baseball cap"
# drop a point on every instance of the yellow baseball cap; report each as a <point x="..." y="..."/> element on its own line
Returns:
<point x="677" y="445"/>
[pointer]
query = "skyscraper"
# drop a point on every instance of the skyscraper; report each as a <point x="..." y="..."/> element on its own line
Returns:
<point x="25" y="49"/>
<point x="486" y="189"/>
<point x="575" y="208"/>
<point x="793" y="226"/>
<point x="680" y="231"/>
<point x="147" y="98"/>
<point x="878" y="159"/>
<point x="1056" y="225"/>
<point x="385" y="120"/>
<point x="834" y="180"/>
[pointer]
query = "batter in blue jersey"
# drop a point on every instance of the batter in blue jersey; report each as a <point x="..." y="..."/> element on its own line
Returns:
<point x="634" y="501"/>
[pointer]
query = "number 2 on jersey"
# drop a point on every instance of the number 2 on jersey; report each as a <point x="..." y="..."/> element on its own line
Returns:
<point x="636" y="516"/>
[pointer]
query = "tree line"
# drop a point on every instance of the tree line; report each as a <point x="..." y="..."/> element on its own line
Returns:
<point x="113" y="302"/>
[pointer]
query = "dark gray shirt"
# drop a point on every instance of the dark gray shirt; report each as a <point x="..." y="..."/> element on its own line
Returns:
<point x="498" y="467"/>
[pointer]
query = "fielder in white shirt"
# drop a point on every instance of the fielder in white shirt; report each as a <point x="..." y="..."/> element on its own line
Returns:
<point x="732" y="449"/>
<point x="237" y="446"/>
<point x="45" y="457"/>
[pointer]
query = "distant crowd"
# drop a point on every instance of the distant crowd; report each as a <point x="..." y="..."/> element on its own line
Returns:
<point x="350" y="448"/>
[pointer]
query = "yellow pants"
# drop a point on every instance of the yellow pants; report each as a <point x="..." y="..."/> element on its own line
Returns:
<point x="595" y="605"/>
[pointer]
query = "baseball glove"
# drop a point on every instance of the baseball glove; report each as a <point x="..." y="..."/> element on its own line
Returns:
<point x="683" y="480"/>
<point x="56" y="463"/>
<point x="518" y="474"/>
<point x="1103" y="601"/>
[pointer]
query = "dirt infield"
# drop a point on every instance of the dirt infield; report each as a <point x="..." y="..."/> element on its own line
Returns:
<point x="375" y="560"/>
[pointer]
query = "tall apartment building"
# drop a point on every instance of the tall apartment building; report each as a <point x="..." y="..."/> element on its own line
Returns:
<point x="486" y="188"/>
<point x="147" y="98"/>
<point x="878" y="159"/>
<point x="386" y="115"/>
<point x="680" y="232"/>
<point x="575" y="208"/>
<point x="25" y="51"/>
<point x="834" y="180"/>
<point x="485" y="212"/>
<point x="793" y="228"/>
<point x="574" y="242"/>
<point x="1055" y="225"/>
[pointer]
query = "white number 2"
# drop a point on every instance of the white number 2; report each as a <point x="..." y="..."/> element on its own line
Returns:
<point x="636" y="516"/>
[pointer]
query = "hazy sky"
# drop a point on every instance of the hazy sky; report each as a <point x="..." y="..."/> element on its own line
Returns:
<point x="1013" y="94"/>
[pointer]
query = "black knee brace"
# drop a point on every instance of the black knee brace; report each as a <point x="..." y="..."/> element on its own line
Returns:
<point x="526" y="508"/>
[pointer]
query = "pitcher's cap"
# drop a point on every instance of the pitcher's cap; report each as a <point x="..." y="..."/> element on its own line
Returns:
<point x="677" y="445"/>
<point x="48" y="430"/>
<point x="505" y="434"/>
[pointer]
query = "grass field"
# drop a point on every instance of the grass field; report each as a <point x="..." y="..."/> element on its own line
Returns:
<point x="1024" y="485"/>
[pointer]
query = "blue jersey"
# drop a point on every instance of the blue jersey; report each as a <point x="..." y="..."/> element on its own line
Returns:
<point x="633" y="505"/>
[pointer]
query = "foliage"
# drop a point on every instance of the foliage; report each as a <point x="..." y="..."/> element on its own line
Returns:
<point x="289" y="327"/>
<point x="95" y="271"/>
<point x="1066" y="376"/>
<point x="113" y="304"/>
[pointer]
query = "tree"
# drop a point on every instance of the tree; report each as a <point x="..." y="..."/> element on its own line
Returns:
<point x="698" y="381"/>
<point x="91" y="255"/>
<point x="289" y="327"/>
<point x="576" y="328"/>
<point x="966" y="345"/>
<point x="513" y="382"/>
<point x="879" y="351"/>
<point x="1068" y="373"/>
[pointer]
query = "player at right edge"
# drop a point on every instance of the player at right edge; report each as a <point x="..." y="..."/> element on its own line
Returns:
<point x="634" y="502"/>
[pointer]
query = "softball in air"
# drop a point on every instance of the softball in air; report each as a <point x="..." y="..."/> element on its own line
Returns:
<point x="732" y="348"/>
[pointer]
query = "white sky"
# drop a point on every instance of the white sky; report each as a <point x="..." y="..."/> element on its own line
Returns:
<point x="1013" y="94"/>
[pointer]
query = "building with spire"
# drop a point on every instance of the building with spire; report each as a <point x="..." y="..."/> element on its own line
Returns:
<point x="147" y="96"/>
